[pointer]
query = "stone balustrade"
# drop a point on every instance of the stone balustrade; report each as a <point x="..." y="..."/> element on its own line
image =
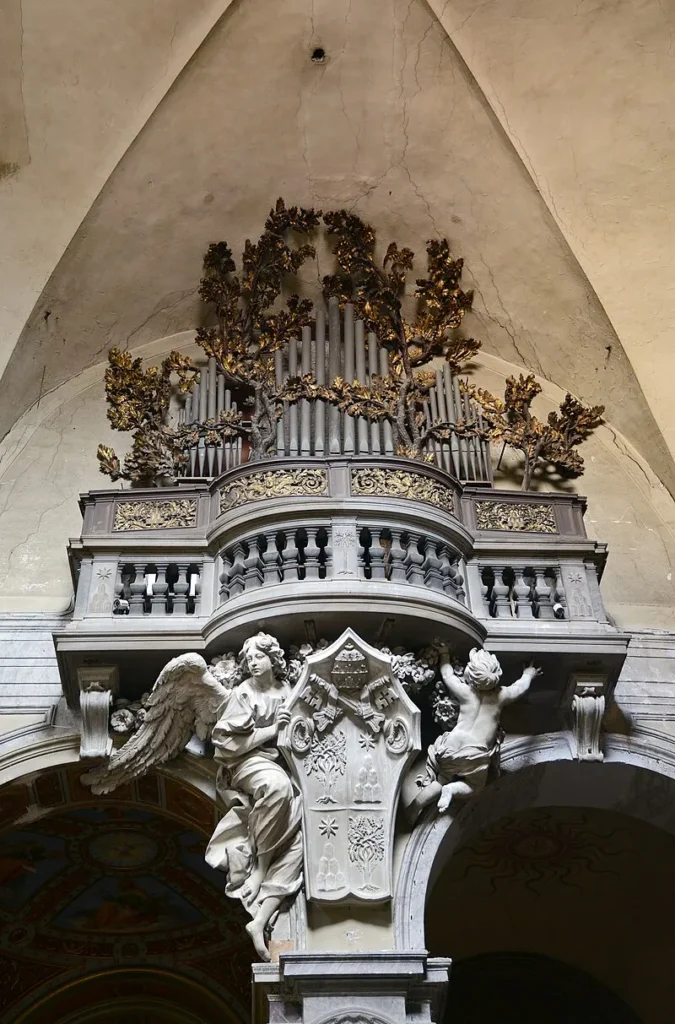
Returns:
<point x="523" y="592"/>
<point x="163" y="588"/>
<point x="304" y="554"/>
<point x="307" y="547"/>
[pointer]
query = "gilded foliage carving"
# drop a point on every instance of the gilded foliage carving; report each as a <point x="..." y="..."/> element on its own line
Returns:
<point x="155" y="515"/>
<point x="551" y="442"/>
<point x="517" y="516"/>
<point x="376" y="289"/>
<point x="249" y="332"/>
<point x="397" y="483"/>
<point x="275" y="483"/>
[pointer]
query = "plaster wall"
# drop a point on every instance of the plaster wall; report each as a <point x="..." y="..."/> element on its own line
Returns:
<point x="584" y="92"/>
<point x="76" y="86"/>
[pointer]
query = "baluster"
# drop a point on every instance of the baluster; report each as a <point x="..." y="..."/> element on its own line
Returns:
<point x="447" y="578"/>
<point x="194" y="588"/>
<point x="432" y="566"/>
<point x="237" y="569"/>
<point x="253" y="577"/>
<point x="289" y="557"/>
<point x="270" y="559"/>
<point x="378" y="569"/>
<point x="522" y="590"/>
<point x="225" y="575"/>
<point x="180" y="589"/>
<point x="486" y="583"/>
<point x="455" y="566"/>
<point x="160" y="589"/>
<point x="312" y="553"/>
<point x="397" y="552"/>
<point x="325" y="541"/>
<point x="149" y="577"/>
<point x="558" y="600"/>
<point x="413" y="561"/>
<point x="137" y="590"/>
<point x="543" y="601"/>
<point x="365" y="542"/>
<point x="501" y="605"/>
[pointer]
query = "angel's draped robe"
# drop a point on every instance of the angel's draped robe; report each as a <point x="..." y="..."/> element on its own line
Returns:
<point x="264" y="811"/>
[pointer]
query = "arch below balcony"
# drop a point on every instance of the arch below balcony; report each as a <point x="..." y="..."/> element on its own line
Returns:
<point x="636" y="779"/>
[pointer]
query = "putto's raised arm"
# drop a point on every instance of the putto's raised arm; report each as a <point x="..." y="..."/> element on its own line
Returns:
<point x="454" y="684"/>
<point x="510" y="693"/>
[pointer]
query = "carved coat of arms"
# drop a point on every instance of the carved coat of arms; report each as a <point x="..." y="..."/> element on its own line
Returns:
<point x="352" y="734"/>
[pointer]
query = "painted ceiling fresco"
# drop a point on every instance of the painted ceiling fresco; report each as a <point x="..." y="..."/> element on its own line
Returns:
<point x="118" y="882"/>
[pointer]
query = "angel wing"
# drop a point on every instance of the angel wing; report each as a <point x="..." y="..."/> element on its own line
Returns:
<point x="184" y="700"/>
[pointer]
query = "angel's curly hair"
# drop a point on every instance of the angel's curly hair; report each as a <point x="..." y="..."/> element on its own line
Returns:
<point x="271" y="647"/>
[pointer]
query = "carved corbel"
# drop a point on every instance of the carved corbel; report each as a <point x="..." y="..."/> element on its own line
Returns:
<point x="587" y="708"/>
<point x="97" y="687"/>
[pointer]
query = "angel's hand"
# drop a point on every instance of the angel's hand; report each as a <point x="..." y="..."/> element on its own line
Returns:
<point x="283" y="715"/>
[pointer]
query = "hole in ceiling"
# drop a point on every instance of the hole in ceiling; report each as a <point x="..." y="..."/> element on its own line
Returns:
<point x="318" y="55"/>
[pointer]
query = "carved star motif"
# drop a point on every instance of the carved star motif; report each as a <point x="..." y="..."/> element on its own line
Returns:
<point x="104" y="574"/>
<point x="366" y="741"/>
<point x="328" y="827"/>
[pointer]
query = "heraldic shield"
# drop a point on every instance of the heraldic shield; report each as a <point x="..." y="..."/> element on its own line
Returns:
<point x="352" y="735"/>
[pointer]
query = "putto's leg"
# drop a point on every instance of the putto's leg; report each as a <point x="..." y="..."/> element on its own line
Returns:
<point x="256" y="927"/>
<point x="451" y="790"/>
<point x="427" y="795"/>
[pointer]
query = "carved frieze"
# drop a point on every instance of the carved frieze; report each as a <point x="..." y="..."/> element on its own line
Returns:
<point x="352" y="734"/>
<point x="516" y="516"/>
<point x="155" y="515"/>
<point x="275" y="483"/>
<point x="398" y="483"/>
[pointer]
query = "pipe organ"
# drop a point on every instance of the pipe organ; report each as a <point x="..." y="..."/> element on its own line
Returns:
<point x="335" y="345"/>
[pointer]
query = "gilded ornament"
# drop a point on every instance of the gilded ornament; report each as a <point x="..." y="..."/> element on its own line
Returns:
<point x="517" y="516"/>
<point x="276" y="483"/>
<point x="399" y="483"/>
<point x="155" y="515"/>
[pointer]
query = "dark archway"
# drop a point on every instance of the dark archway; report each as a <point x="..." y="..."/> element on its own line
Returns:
<point x="108" y="911"/>
<point x="521" y="988"/>
<point x="588" y="889"/>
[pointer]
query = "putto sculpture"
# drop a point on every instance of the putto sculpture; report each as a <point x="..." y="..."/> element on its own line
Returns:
<point x="258" y="841"/>
<point x="459" y="759"/>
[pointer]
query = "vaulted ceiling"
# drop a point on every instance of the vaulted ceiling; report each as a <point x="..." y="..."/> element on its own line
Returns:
<point x="536" y="136"/>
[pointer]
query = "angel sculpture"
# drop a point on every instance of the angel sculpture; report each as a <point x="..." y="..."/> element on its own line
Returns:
<point x="458" y="760"/>
<point x="258" y="842"/>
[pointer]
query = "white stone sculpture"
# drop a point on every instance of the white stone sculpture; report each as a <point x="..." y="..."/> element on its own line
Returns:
<point x="352" y="734"/>
<point x="458" y="761"/>
<point x="258" y="842"/>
